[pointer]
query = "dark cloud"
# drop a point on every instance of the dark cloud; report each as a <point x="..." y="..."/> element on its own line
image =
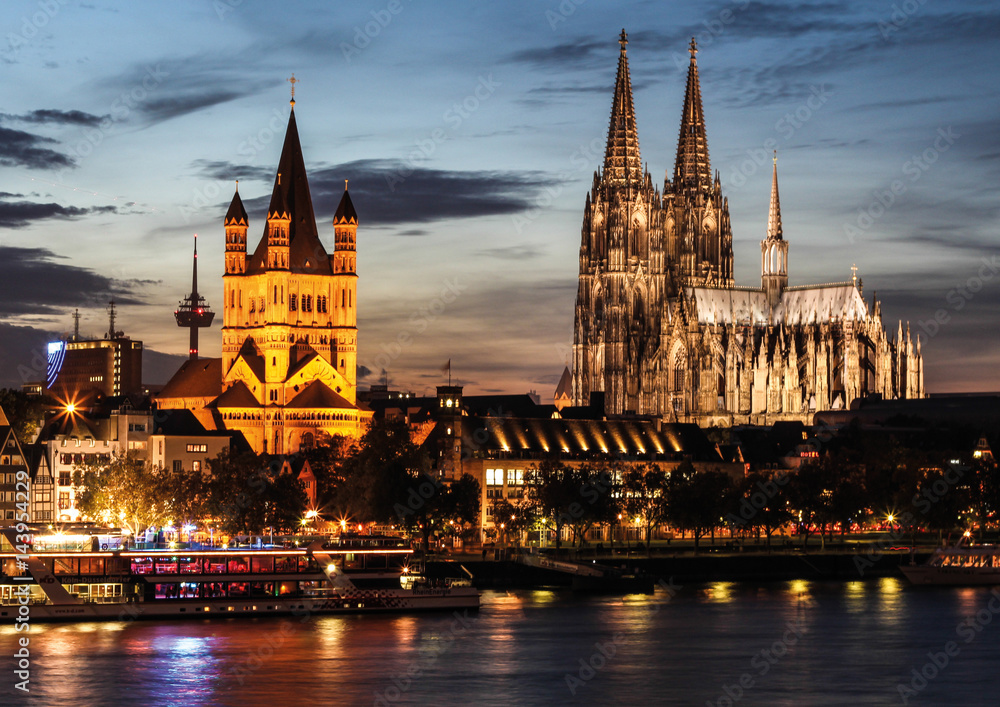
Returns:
<point x="172" y="88"/>
<point x="414" y="232"/>
<point x="392" y="192"/>
<point x="513" y="252"/>
<point x="571" y="54"/>
<point x="51" y="116"/>
<point x="21" y="149"/>
<point x="18" y="214"/>
<point x="228" y="171"/>
<point x="33" y="281"/>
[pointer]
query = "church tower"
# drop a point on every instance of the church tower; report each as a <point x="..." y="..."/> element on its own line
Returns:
<point x="289" y="338"/>
<point x="696" y="215"/>
<point x="774" y="249"/>
<point x="617" y="306"/>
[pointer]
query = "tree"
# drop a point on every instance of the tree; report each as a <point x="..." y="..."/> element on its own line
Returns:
<point x="376" y="480"/>
<point x="511" y="519"/>
<point x="645" y="497"/>
<point x="247" y="493"/>
<point x="442" y="508"/>
<point x="809" y="492"/>
<point x="763" y="503"/>
<point x="24" y="412"/>
<point x="696" y="499"/>
<point x="123" y="491"/>
<point x="553" y="490"/>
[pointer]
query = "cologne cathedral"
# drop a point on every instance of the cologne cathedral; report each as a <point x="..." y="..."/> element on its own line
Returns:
<point x="287" y="378"/>
<point x="661" y="329"/>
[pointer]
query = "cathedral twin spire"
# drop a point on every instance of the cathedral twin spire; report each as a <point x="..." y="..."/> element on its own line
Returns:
<point x="692" y="169"/>
<point x="622" y="163"/>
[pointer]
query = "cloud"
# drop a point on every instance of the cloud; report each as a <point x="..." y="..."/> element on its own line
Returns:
<point x="513" y="252"/>
<point x="393" y="192"/>
<point x="32" y="281"/>
<point x="51" y="116"/>
<point x="18" y="214"/>
<point x="414" y="232"/>
<point x="228" y="171"/>
<point x="21" y="149"/>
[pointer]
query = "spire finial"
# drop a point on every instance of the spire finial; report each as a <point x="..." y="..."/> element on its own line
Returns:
<point x="854" y="273"/>
<point x="237" y="185"/>
<point x="693" y="48"/>
<point x="623" y="39"/>
<point x="345" y="185"/>
<point x="775" y="158"/>
<point x="293" y="81"/>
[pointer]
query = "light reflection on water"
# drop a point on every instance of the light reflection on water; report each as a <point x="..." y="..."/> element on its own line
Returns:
<point x="795" y="643"/>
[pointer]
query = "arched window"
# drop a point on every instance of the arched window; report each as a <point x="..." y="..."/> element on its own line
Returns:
<point x="308" y="440"/>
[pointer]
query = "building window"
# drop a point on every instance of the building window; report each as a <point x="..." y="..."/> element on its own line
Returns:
<point x="63" y="500"/>
<point x="494" y="483"/>
<point x="64" y="478"/>
<point x="293" y="303"/>
<point x="177" y="466"/>
<point x="196" y="465"/>
<point x="202" y="448"/>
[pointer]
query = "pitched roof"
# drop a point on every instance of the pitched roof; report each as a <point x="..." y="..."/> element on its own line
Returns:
<point x="317" y="395"/>
<point x="692" y="168"/>
<point x="345" y="211"/>
<point x="565" y="387"/>
<point x="200" y="378"/>
<point x="622" y="162"/>
<point x="4" y="422"/>
<point x="290" y="196"/>
<point x="237" y="396"/>
<point x="236" y="215"/>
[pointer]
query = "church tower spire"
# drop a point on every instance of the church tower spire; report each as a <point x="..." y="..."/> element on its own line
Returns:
<point x="622" y="162"/>
<point x="774" y="248"/>
<point x="692" y="168"/>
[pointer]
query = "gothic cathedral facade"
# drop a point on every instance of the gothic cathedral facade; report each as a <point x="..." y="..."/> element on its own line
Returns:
<point x="661" y="329"/>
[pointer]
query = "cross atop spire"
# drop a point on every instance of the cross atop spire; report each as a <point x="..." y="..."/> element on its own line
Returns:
<point x="622" y="162"/>
<point x="774" y="215"/>
<point x="693" y="168"/>
<point x="293" y="81"/>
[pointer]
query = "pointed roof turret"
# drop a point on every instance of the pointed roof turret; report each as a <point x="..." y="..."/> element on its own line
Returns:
<point x="237" y="215"/>
<point x="692" y="168"/>
<point x="345" y="211"/>
<point x="774" y="215"/>
<point x="290" y="198"/>
<point x="621" y="157"/>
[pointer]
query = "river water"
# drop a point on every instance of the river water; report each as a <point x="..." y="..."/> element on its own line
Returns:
<point x="790" y="643"/>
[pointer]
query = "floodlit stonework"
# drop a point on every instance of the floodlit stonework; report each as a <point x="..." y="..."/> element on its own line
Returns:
<point x="662" y="329"/>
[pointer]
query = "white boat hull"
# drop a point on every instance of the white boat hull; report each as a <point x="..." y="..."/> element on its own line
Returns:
<point x="361" y="601"/>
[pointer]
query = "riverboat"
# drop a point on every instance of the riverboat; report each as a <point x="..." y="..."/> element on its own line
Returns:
<point x="958" y="565"/>
<point x="82" y="577"/>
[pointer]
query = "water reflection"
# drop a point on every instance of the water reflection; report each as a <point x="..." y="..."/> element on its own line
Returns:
<point x="797" y="642"/>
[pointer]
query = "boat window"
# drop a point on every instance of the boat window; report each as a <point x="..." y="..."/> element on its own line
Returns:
<point x="262" y="589"/>
<point x="284" y="564"/>
<point x="66" y="565"/>
<point x="376" y="562"/>
<point x="262" y="564"/>
<point x="215" y="565"/>
<point x="142" y="565"/>
<point x="354" y="561"/>
<point x="91" y="565"/>
<point x="166" y="565"/>
<point x="239" y="565"/>
<point x="166" y="591"/>
<point x="305" y="564"/>
<point x="213" y="589"/>
<point x="190" y="565"/>
<point x="188" y="590"/>
<point x="288" y="588"/>
<point x="239" y="589"/>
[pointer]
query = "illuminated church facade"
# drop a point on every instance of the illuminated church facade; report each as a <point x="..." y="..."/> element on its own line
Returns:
<point x="662" y="329"/>
<point x="288" y="374"/>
